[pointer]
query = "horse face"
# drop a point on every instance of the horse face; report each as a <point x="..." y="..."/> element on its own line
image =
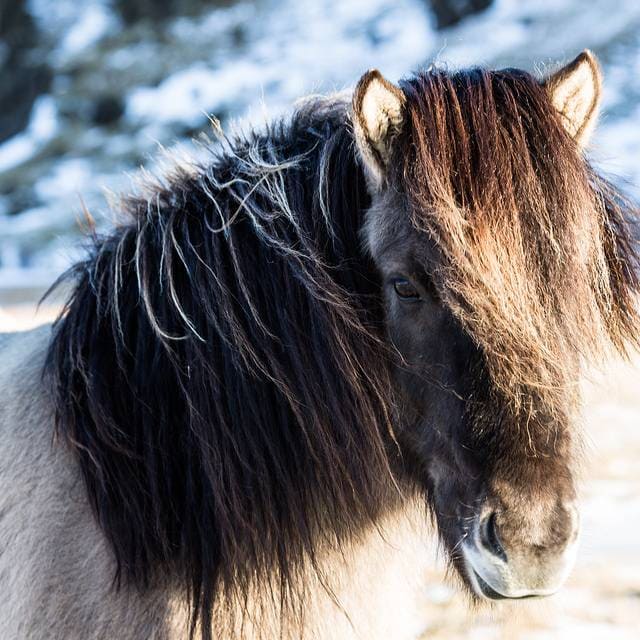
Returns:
<point x="506" y="515"/>
<point x="498" y="478"/>
<point x="504" y="506"/>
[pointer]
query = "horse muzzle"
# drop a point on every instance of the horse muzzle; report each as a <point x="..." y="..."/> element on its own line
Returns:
<point x="510" y="555"/>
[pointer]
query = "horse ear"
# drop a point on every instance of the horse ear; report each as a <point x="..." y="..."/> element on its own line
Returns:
<point x="377" y="119"/>
<point x="575" y="92"/>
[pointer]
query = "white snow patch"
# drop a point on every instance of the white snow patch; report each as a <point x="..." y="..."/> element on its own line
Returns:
<point x="16" y="150"/>
<point x="296" y="49"/>
<point x="41" y="128"/>
<point x="94" y="22"/>
<point x="21" y="278"/>
<point x="217" y="24"/>
<point x="33" y="222"/>
<point x="53" y="16"/>
<point x="69" y="177"/>
<point x="190" y="94"/>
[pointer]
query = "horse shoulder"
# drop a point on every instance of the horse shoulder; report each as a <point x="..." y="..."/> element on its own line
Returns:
<point x="56" y="570"/>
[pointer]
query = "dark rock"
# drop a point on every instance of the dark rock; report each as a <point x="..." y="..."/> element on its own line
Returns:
<point x="154" y="11"/>
<point x="21" y="199"/>
<point x="107" y="109"/>
<point x="450" y="12"/>
<point x="19" y="88"/>
<point x="16" y="25"/>
<point x="238" y="35"/>
<point x="22" y="76"/>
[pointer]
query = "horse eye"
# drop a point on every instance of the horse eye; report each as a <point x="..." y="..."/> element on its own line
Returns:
<point x="405" y="290"/>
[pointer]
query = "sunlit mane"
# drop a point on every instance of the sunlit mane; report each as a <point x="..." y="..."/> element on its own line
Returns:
<point x="534" y="246"/>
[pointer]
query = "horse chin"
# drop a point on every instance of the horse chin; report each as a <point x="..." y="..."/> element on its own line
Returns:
<point x="493" y="578"/>
<point x="493" y="574"/>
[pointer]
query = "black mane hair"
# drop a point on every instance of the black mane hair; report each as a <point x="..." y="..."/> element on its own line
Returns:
<point x="219" y="368"/>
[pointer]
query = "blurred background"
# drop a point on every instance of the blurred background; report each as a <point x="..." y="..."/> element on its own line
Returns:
<point x="89" y="91"/>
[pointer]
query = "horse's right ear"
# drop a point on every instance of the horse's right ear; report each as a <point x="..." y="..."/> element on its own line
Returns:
<point x="575" y="91"/>
<point x="377" y="119"/>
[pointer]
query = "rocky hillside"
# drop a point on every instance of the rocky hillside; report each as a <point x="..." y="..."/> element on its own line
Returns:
<point x="91" y="90"/>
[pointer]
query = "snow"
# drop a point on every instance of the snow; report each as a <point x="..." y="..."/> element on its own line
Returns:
<point x="75" y="25"/>
<point x="189" y="94"/>
<point x="294" y="48"/>
<point x="27" y="222"/>
<point x="42" y="126"/>
<point x="94" y="23"/>
<point x="19" y="278"/>
<point x="217" y="24"/>
<point x="297" y="48"/>
<point x="618" y="151"/>
<point x="53" y="16"/>
<point x="16" y="150"/>
<point x="68" y="177"/>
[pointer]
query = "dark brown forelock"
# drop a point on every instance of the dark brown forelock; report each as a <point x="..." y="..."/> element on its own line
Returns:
<point x="537" y="259"/>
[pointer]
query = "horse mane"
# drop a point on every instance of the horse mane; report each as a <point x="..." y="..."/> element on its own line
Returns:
<point x="219" y="368"/>
<point x="537" y="253"/>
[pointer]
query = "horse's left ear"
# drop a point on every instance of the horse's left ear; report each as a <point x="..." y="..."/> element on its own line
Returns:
<point x="575" y="92"/>
<point x="377" y="119"/>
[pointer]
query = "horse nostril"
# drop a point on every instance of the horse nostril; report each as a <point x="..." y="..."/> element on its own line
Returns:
<point x="489" y="537"/>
